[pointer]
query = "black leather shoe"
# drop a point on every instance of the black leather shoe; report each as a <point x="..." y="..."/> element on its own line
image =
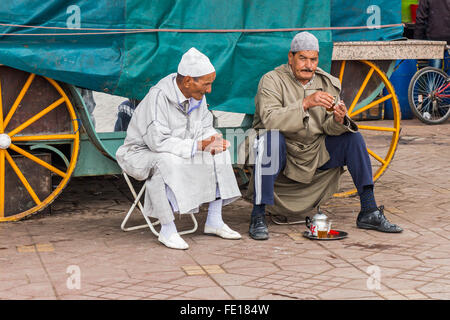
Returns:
<point x="376" y="220"/>
<point x="258" y="228"/>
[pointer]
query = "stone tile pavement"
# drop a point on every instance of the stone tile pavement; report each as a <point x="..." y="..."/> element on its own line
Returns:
<point x="78" y="251"/>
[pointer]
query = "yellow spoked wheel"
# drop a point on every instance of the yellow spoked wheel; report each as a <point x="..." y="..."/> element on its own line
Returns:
<point x="362" y="84"/>
<point x="38" y="128"/>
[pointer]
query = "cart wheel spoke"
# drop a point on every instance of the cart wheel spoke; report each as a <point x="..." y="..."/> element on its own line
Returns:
<point x="361" y="90"/>
<point x="370" y="105"/>
<point x="37" y="116"/>
<point x="341" y="71"/>
<point x="19" y="98"/>
<point x="22" y="178"/>
<point x="377" y="157"/>
<point x="37" y="160"/>
<point x="375" y="128"/>
<point x="43" y="137"/>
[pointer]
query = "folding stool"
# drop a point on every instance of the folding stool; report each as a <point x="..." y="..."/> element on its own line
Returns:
<point x="150" y="224"/>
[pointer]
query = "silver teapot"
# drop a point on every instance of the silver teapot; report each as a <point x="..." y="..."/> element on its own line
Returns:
<point x="318" y="224"/>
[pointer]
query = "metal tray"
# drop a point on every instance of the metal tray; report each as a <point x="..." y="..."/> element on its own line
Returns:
<point x="341" y="235"/>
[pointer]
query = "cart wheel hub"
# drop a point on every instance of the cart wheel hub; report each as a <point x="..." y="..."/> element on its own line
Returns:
<point x="5" y="141"/>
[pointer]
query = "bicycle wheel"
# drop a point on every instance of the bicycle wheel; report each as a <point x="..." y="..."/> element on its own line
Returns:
<point x="429" y="95"/>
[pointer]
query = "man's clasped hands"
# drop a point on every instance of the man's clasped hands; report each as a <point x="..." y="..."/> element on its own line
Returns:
<point x="214" y="144"/>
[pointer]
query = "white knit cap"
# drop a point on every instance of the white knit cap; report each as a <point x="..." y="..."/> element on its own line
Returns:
<point x="195" y="64"/>
<point x="304" y="41"/>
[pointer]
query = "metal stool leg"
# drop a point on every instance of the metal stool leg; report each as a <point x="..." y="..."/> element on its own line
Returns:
<point x="193" y="229"/>
<point x="149" y="224"/>
<point x="137" y="201"/>
<point x="283" y="220"/>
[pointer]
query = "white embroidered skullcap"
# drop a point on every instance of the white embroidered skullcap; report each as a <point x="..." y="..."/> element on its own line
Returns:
<point x="195" y="64"/>
<point x="304" y="41"/>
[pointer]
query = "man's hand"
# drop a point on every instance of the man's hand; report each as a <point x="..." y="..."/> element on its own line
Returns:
<point x="214" y="144"/>
<point x="340" y="110"/>
<point x="319" y="98"/>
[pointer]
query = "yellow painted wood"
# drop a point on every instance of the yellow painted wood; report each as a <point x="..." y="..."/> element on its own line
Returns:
<point x="43" y="137"/>
<point x="370" y="105"/>
<point x="341" y="72"/>
<point x="19" y="98"/>
<point x="22" y="179"/>
<point x="361" y="90"/>
<point x="37" y="160"/>
<point x="373" y="154"/>
<point x="36" y="117"/>
<point x="2" y="183"/>
<point x="377" y="128"/>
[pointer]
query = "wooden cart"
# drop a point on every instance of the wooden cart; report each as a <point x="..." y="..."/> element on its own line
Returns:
<point x="46" y="134"/>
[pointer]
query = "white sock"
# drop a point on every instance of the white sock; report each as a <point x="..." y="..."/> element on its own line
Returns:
<point x="168" y="229"/>
<point x="214" y="218"/>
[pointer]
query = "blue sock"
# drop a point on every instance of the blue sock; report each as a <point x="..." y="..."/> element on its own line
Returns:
<point x="367" y="199"/>
<point x="258" y="209"/>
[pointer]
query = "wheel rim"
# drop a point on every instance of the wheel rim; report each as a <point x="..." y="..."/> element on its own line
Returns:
<point x="383" y="135"/>
<point x="431" y="96"/>
<point x="26" y="135"/>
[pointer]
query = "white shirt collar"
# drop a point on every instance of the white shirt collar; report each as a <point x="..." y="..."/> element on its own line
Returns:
<point x="180" y="95"/>
<point x="181" y="98"/>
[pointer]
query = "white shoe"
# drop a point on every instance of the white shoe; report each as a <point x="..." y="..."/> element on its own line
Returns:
<point x="224" y="232"/>
<point x="174" y="241"/>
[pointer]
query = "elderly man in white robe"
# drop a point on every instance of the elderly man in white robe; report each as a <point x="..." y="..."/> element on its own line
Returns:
<point x="171" y="143"/>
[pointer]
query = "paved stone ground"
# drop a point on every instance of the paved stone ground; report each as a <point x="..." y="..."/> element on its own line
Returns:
<point x="41" y="257"/>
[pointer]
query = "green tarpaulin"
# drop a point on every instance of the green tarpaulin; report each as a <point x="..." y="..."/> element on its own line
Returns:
<point x="74" y="41"/>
